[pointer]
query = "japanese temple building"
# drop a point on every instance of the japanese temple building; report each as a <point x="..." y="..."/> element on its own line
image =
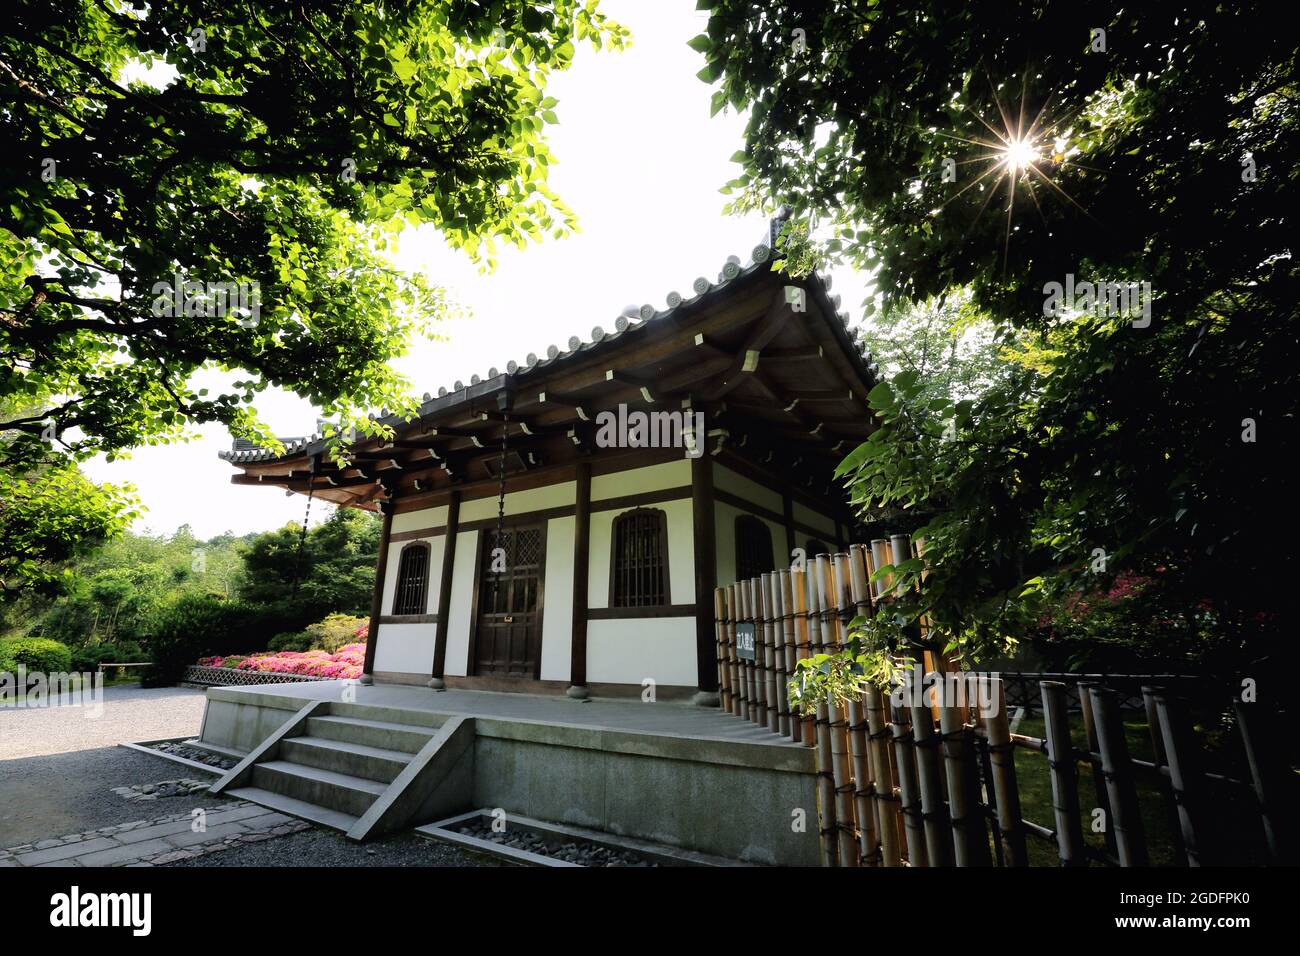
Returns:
<point x="591" y="568"/>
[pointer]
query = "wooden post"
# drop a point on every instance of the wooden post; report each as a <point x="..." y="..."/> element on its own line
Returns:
<point x="1125" y="820"/>
<point x="444" y="591"/>
<point x="581" y="569"/>
<point x="1065" y="792"/>
<point x="1184" y="775"/>
<point x="1007" y="792"/>
<point x="377" y="598"/>
<point x="706" y="576"/>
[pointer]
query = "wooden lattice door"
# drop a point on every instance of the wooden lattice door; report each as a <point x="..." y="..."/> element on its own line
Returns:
<point x="508" y="635"/>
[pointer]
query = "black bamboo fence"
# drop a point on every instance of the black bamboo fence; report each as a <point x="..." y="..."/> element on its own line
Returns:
<point x="932" y="774"/>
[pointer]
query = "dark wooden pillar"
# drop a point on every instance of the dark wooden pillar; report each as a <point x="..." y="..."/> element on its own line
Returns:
<point x="377" y="599"/>
<point x="444" y="591"/>
<point x="706" y="578"/>
<point x="581" y="564"/>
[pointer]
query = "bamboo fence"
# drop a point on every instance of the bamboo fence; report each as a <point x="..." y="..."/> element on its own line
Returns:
<point x="927" y="775"/>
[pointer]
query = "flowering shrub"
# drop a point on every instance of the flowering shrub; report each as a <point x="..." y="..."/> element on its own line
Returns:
<point x="346" y="663"/>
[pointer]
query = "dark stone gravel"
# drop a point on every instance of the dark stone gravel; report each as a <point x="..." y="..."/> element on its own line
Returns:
<point x="215" y="761"/>
<point x="46" y="797"/>
<point x="319" y="847"/>
<point x="570" y="851"/>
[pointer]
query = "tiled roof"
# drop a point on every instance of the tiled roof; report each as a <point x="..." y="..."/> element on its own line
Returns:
<point x="631" y="319"/>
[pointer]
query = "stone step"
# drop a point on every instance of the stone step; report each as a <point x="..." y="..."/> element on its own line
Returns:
<point x="357" y="760"/>
<point x="370" y="733"/>
<point x="325" y="788"/>
<point x="296" y="808"/>
<point x="391" y="715"/>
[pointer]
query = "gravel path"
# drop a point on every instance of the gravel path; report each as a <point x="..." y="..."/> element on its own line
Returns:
<point x="318" y="847"/>
<point x="129" y="713"/>
<point x="52" y="796"/>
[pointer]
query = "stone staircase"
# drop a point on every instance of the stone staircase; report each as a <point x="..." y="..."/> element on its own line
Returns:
<point x="340" y="763"/>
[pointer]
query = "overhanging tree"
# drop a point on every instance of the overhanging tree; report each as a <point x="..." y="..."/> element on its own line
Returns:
<point x="235" y="211"/>
<point x="999" y="147"/>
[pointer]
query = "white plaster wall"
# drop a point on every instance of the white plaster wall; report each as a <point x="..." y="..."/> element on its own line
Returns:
<point x="748" y="489"/>
<point x="669" y="474"/>
<point x="394" y="565"/>
<point x="520" y="502"/>
<point x="557" y="610"/>
<point x="681" y="554"/>
<point x="629" y="651"/>
<point x="813" y="519"/>
<point x="724" y="530"/>
<point x="405" y="648"/>
<point x="462" y="600"/>
<point x="416" y="520"/>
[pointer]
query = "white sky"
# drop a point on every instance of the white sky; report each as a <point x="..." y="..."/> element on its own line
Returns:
<point x="639" y="161"/>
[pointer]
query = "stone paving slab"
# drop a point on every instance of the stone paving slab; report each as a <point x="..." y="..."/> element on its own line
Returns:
<point x="153" y="842"/>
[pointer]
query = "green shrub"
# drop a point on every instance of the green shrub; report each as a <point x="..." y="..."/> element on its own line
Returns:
<point x="35" y="654"/>
<point x="290" y="641"/>
<point x="89" y="658"/>
<point x="230" y="663"/>
<point x="207" y="625"/>
<point x="333" y="632"/>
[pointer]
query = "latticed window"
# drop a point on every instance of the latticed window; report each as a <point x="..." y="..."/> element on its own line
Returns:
<point x="753" y="548"/>
<point x="640" y="565"/>
<point x="412" y="580"/>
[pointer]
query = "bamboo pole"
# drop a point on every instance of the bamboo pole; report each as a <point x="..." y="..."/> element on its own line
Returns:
<point x="1006" y="790"/>
<point x="1117" y="772"/>
<point x="737" y="689"/>
<point x="863" y="778"/>
<point x="1184" y="774"/>
<point x="769" y="653"/>
<point x="970" y="838"/>
<point x="780" y="682"/>
<point x="909" y="790"/>
<point x="1099" y="786"/>
<point x="938" y="832"/>
<point x="1065" y="793"/>
<point x="1166" y="790"/>
<point x="799" y="591"/>
<point x="795" y="728"/>
<point x="720" y="626"/>
<point x="844" y="789"/>
<point x="886" y="804"/>
<point x="1266" y="781"/>
<point x="760" y="657"/>
<point x="746" y="590"/>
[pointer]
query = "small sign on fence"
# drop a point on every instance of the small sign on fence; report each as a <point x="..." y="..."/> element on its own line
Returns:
<point x="745" y="641"/>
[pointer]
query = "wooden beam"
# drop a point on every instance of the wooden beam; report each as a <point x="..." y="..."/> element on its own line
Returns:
<point x="444" y="591"/>
<point x="581" y="566"/>
<point x="746" y="359"/>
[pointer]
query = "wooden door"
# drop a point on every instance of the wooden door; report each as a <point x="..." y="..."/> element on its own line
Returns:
<point x="508" y="632"/>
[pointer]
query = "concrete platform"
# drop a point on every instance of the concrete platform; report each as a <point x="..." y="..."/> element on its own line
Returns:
<point x="668" y="772"/>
